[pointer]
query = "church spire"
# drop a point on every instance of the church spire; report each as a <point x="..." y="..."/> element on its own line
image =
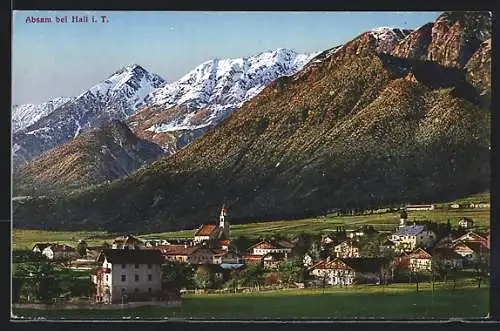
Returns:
<point x="223" y="222"/>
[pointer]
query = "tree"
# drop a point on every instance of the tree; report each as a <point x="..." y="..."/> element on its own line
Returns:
<point x="291" y="271"/>
<point x="81" y="248"/>
<point x="106" y="245"/>
<point x="203" y="278"/>
<point x="177" y="275"/>
<point x="242" y="243"/>
<point x="369" y="246"/>
<point x="253" y="275"/>
<point x="481" y="268"/>
<point x="39" y="281"/>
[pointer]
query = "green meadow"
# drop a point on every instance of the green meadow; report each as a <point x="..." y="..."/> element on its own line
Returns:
<point x="396" y="301"/>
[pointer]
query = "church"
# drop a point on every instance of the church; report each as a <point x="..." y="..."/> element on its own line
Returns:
<point x="212" y="233"/>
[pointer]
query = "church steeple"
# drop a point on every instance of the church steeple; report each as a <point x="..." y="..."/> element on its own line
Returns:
<point x="223" y="222"/>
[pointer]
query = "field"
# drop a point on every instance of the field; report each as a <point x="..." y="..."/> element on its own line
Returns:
<point x="387" y="221"/>
<point x="400" y="301"/>
<point x="24" y="239"/>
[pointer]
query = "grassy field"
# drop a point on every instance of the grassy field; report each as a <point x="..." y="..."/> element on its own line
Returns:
<point x="24" y="239"/>
<point x="387" y="221"/>
<point x="400" y="301"/>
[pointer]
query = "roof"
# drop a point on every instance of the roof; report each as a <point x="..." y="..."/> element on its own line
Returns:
<point x="231" y="265"/>
<point x="206" y="230"/>
<point x="476" y="236"/>
<point x="419" y="206"/>
<point x="360" y="264"/>
<point x="141" y="256"/>
<point x="176" y="249"/>
<point x="388" y="242"/>
<point x="42" y="246"/>
<point x="273" y="244"/>
<point x="477" y="247"/>
<point x="420" y="253"/>
<point x="61" y="248"/>
<point x="410" y="230"/>
<point x="253" y="257"/>
<point x="350" y="243"/>
<point x="225" y="242"/>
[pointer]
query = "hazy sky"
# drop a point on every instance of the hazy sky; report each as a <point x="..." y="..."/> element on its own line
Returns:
<point x="57" y="59"/>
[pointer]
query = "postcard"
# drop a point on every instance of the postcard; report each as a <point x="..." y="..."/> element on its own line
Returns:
<point x="236" y="165"/>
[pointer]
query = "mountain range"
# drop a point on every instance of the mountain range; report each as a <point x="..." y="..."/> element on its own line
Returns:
<point x="366" y="124"/>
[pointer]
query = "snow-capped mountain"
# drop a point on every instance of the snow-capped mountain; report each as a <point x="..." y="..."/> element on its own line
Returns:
<point x="117" y="97"/>
<point x="213" y="90"/>
<point x="27" y="114"/>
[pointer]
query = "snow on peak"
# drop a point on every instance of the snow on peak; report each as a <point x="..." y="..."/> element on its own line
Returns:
<point x="387" y="37"/>
<point x="27" y="114"/>
<point x="221" y="86"/>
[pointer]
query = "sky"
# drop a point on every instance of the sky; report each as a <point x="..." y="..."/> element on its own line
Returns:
<point x="51" y="60"/>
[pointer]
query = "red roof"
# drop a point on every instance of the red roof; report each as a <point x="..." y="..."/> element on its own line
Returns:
<point x="206" y="230"/>
<point x="176" y="249"/>
<point x="420" y="254"/>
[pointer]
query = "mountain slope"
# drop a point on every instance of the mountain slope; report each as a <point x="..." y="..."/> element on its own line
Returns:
<point x="27" y="114"/>
<point x="357" y="127"/>
<point x="182" y="111"/>
<point x="93" y="157"/>
<point x="117" y="97"/>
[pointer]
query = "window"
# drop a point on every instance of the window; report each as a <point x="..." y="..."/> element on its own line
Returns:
<point x="136" y="278"/>
<point x="124" y="266"/>
<point x="124" y="278"/>
<point x="150" y="277"/>
<point x="136" y="265"/>
<point x="150" y="266"/>
<point x="149" y="290"/>
<point x="107" y="278"/>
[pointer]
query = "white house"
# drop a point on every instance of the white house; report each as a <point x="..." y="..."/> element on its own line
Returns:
<point x="60" y="251"/>
<point x="454" y="206"/>
<point x="420" y="260"/>
<point x="266" y="247"/>
<point x="346" y="249"/>
<point x="128" y="274"/>
<point x="409" y="237"/>
<point x="348" y="271"/>
<point x="466" y="223"/>
<point x="39" y="247"/>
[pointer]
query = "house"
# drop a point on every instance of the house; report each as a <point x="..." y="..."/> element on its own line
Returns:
<point x="348" y="271"/>
<point x="401" y="261"/>
<point x="129" y="242"/>
<point x="179" y="253"/>
<point x="470" y="251"/>
<point x="346" y="249"/>
<point x="82" y="264"/>
<point x="227" y="257"/>
<point x="360" y="232"/>
<point x="271" y="246"/>
<point x="203" y="255"/>
<point x="210" y="233"/>
<point x="470" y="237"/>
<point x="419" y="207"/>
<point x="326" y="240"/>
<point x="447" y="257"/>
<point x="420" y="260"/>
<point x="94" y="251"/>
<point x="39" y="247"/>
<point x="454" y="206"/>
<point x="60" y="251"/>
<point x="128" y="274"/>
<point x="272" y="260"/>
<point x="466" y="223"/>
<point x="409" y="237"/>
<point x="252" y="259"/>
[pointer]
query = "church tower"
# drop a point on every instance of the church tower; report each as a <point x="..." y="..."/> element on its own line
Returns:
<point x="223" y="222"/>
<point x="403" y="218"/>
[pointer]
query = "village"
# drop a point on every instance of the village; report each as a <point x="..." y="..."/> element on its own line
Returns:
<point x="159" y="271"/>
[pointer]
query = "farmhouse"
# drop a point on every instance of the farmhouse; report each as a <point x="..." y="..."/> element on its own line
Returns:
<point x="59" y="251"/>
<point x="470" y="237"/>
<point x="39" y="247"/>
<point x="471" y="252"/>
<point x="273" y="246"/>
<point x="348" y="271"/>
<point x="409" y="237"/>
<point x="127" y="274"/>
<point x="419" y="207"/>
<point x="129" y="242"/>
<point x="420" y="260"/>
<point x="466" y="223"/>
<point x="346" y="249"/>
<point x="210" y="233"/>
